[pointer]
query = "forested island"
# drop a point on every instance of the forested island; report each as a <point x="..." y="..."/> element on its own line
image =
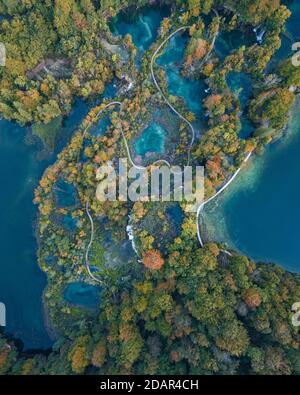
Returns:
<point x="157" y="304"/>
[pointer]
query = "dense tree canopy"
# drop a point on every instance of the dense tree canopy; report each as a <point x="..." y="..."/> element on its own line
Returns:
<point x="178" y="309"/>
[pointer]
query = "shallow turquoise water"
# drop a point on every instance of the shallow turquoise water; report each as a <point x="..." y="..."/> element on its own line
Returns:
<point x="259" y="214"/>
<point x="151" y="140"/>
<point x="241" y="85"/>
<point x="192" y="91"/>
<point x="69" y="223"/>
<point x="143" y="27"/>
<point x="82" y="294"/>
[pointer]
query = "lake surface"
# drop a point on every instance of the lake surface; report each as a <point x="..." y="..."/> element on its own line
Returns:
<point x="192" y="91"/>
<point x="65" y="194"/>
<point x="227" y="42"/>
<point x="291" y="35"/>
<point x="21" y="281"/>
<point x="142" y="26"/>
<point x="241" y="86"/>
<point x="259" y="215"/>
<point x="82" y="295"/>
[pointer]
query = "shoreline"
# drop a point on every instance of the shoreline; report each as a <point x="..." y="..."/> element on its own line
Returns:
<point x="222" y="189"/>
<point x="288" y="135"/>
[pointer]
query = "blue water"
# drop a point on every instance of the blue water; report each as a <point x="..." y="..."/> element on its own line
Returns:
<point x="21" y="281"/>
<point x="292" y="25"/>
<point x="152" y="139"/>
<point x="241" y="85"/>
<point x="227" y="42"/>
<point x="19" y="174"/>
<point x="143" y="27"/>
<point x="110" y="90"/>
<point x="292" y="35"/>
<point x="69" y="223"/>
<point x="100" y="127"/>
<point x="247" y="127"/>
<point x="176" y="217"/>
<point x="192" y="91"/>
<point x="82" y="295"/>
<point x="259" y="214"/>
<point x="65" y="194"/>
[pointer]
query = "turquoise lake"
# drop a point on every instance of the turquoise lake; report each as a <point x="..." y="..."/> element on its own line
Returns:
<point x="83" y="295"/>
<point x="192" y="92"/>
<point x="171" y="60"/>
<point x="21" y="281"/>
<point x="151" y="140"/>
<point x="259" y="215"/>
<point x="142" y="26"/>
<point x="241" y="86"/>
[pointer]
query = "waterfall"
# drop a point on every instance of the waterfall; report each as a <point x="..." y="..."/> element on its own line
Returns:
<point x="129" y="230"/>
<point x="259" y="33"/>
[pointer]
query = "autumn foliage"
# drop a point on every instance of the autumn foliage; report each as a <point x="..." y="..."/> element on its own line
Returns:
<point x="3" y="357"/>
<point x="98" y="357"/>
<point x="152" y="259"/>
<point x="201" y="49"/>
<point x="252" y="298"/>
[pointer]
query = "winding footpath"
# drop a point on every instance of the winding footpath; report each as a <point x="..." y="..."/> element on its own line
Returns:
<point x="87" y="253"/>
<point x="225" y="186"/>
<point x="163" y="95"/>
<point x="114" y="103"/>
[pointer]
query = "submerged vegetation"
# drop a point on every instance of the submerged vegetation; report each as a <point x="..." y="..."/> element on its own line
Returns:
<point x="176" y="308"/>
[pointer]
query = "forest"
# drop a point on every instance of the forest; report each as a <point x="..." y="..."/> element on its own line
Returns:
<point x="176" y="308"/>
